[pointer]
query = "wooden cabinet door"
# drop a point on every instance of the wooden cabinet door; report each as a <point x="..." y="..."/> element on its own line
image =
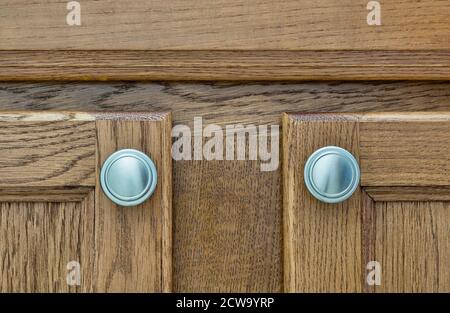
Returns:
<point x="58" y="230"/>
<point x="399" y="215"/>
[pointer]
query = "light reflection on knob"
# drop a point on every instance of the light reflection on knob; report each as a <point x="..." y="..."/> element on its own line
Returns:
<point x="128" y="177"/>
<point x="331" y="174"/>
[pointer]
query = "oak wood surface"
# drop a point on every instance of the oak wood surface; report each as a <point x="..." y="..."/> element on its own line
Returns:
<point x="44" y="194"/>
<point x="46" y="153"/>
<point x="420" y="156"/>
<point x="276" y="65"/>
<point x="200" y="212"/>
<point x="52" y="222"/>
<point x="412" y="244"/>
<point x="39" y="239"/>
<point x="134" y="245"/>
<point x="403" y="227"/>
<point x="226" y="103"/>
<point x="421" y="141"/>
<point x="393" y="193"/>
<point x="224" y="24"/>
<point x="322" y="242"/>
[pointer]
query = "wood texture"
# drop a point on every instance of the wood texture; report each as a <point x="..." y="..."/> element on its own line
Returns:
<point x="226" y="103"/>
<point x="412" y="243"/>
<point x="410" y="240"/>
<point x="421" y="153"/>
<point x="421" y="141"/>
<point x="227" y="227"/>
<point x="39" y="239"/>
<point x="393" y="193"/>
<point x="45" y="194"/>
<point x="224" y="65"/>
<point x="368" y="236"/>
<point x="200" y="212"/>
<point x="322" y="242"/>
<point x="224" y="24"/>
<point x="120" y="249"/>
<point x="46" y="153"/>
<point x="134" y="245"/>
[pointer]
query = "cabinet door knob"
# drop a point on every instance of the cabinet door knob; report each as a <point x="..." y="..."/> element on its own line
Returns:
<point x="331" y="174"/>
<point x="128" y="177"/>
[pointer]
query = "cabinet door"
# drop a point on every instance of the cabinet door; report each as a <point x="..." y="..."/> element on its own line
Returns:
<point x="399" y="215"/>
<point x="59" y="231"/>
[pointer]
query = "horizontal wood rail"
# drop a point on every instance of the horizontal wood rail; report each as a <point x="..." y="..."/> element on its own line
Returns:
<point x="220" y="65"/>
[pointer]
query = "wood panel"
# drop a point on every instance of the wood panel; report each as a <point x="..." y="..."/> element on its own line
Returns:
<point x="224" y="65"/>
<point x="403" y="227"/>
<point x="61" y="219"/>
<point x="224" y="24"/>
<point x="227" y="227"/>
<point x="421" y="154"/>
<point x="322" y="242"/>
<point x="46" y="151"/>
<point x="412" y="244"/>
<point x="134" y="245"/>
<point x="39" y="239"/>
<point x="227" y="103"/>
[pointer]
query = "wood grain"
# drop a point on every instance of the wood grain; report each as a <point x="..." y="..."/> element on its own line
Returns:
<point x="200" y="212"/>
<point x="412" y="244"/>
<point x="134" y="245"/>
<point x="132" y="250"/>
<point x="368" y="236"/>
<point x="421" y="141"/>
<point x="39" y="239"/>
<point x="226" y="103"/>
<point x="399" y="150"/>
<point x="224" y="24"/>
<point x="392" y="193"/>
<point x="409" y="239"/>
<point x="198" y="65"/>
<point x="227" y="227"/>
<point x="46" y="194"/>
<point x="322" y="242"/>
<point x="46" y="153"/>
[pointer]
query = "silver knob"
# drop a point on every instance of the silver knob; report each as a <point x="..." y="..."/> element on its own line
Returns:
<point x="331" y="174"/>
<point x="128" y="177"/>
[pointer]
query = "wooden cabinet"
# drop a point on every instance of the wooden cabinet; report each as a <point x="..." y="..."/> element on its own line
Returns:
<point x="229" y="221"/>
<point x="55" y="218"/>
<point x="235" y="228"/>
<point x="399" y="216"/>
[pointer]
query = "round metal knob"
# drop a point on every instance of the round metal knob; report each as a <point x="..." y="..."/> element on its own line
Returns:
<point x="331" y="174"/>
<point x="128" y="177"/>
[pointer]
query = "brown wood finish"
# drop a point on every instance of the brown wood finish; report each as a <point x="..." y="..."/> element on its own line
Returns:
<point x="412" y="243"/>
<point x="421" y="154"/>
<point x="199" y="65"/>
<point x="46" y="151"/>
<point x="39" y="239"/>
<point x="133" y="245"/>
<point x="226" y="103"/>
<point x="322" y="242"/>
<point x="44" y="194"/>
<point x="201" y="213"/>
<point x="227" y="214"/>
<point x="395" y="193"/>
<point x="224" y="24"/>
<point x="403" y="222"/>
<point x="61" y="219"/>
